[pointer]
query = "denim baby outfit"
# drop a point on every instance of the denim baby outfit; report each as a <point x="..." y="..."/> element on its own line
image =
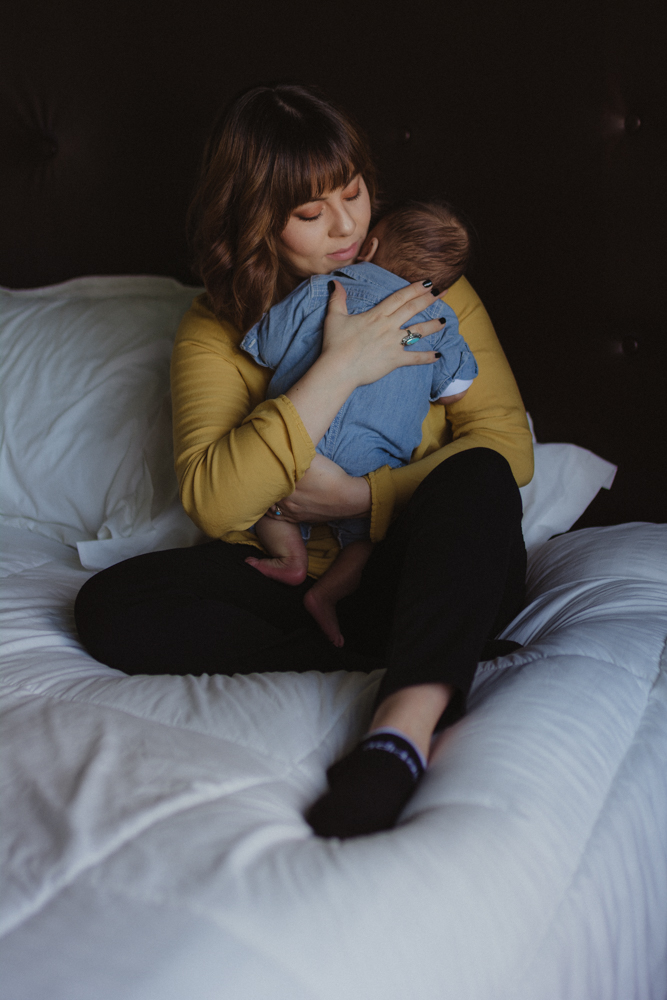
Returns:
<point x="381" y="423"/>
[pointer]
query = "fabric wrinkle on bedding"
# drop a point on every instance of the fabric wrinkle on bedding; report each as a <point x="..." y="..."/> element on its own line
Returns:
<point x="493" y="701"/>
<point x="354" y="859"/>
<point x="629" y="746"/>
<point x="168" y="936"/>
<point x="576" y="614"/>
<point x="648" y="936"/>
<point x="115" y="787"/>
<point x="144" y="702"/>
<point x="191" y="792"/>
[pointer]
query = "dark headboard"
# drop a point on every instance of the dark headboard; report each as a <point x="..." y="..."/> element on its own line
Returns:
<point x="545" y="123"/>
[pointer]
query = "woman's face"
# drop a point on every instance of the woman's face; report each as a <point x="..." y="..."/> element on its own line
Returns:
<point x="328" y="232"/>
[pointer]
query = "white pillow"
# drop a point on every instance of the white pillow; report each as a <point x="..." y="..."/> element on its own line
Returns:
<point x="86" y="453"/>
<point x="86" y="449"/>
<point x="567" y="478"/>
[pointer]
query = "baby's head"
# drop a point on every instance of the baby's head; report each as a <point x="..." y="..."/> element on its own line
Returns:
<point x="420" y="240"/>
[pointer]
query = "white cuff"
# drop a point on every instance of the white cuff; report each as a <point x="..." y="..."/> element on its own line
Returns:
<point x="458" y="385"/>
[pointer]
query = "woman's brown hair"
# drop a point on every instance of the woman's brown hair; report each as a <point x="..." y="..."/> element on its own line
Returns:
<point x="273" y="149"/>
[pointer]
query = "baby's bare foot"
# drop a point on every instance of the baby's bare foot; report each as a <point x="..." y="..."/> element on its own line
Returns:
<point x="282" y="568"/>
<point x="323" y="609"/>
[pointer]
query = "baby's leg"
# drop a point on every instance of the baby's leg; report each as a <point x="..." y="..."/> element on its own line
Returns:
<point x="288" y="560"/>
<point x="342" y="578"/>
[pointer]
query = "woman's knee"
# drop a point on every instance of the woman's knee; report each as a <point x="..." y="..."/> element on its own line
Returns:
<point x="479" y="465"/>
<point x="475" y="486"/>
<point x="105" y="607"/>
<point x="94" y="613"/>
<point x="478" y="479"/>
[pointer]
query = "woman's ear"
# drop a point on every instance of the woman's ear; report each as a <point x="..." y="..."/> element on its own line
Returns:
<point x="368" y="249"/>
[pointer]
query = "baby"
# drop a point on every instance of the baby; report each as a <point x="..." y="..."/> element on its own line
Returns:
<point x="381" y="423"/>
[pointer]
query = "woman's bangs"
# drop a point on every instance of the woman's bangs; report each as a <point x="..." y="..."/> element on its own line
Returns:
<point x="314" y="172"/>
<point x="327" y="172"/>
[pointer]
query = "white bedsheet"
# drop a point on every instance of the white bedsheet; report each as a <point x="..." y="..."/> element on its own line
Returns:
<point x="154" y="846"/>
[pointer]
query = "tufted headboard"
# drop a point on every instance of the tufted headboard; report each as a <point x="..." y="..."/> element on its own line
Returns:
<point x="546" y="124"/>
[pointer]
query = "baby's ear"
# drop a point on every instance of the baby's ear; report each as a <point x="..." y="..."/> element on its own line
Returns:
<point x="368" y="249"/>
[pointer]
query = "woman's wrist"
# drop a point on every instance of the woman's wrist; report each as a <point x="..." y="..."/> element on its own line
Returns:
<point x="319" y="394"/>
<point x="364" y="496"/>
<point x="326" y="492"/>
<point x="336" y="373"/>
<point x="359" y="497"/>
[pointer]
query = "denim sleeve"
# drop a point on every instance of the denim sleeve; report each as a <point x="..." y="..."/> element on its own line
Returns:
<point x="457" y="362"/>
<point x="269" y="339"/>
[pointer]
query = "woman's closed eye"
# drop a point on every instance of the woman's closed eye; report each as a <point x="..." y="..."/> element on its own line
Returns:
<point x="313" y="218"/>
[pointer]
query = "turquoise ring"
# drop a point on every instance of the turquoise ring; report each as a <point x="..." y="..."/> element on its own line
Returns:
<point x="410" y="338"/>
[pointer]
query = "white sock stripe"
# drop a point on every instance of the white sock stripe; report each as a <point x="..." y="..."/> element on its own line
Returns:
<point x="390" y="747"/>
<point x="397" y="732"/>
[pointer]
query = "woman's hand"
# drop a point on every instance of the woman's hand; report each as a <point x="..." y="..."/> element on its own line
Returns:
<point x="325" y="492"/>
<point x="359" y="349"/>
<point x="369" y="344"/>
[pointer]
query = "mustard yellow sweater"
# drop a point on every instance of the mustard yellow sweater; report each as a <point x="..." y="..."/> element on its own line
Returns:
<point x="237" y="453"/>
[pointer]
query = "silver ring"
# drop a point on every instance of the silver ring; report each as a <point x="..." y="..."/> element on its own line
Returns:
<point x="410" y="338"/>
<point x="277" y="511"/>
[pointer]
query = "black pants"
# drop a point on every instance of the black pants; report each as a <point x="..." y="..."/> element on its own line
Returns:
<point x="448" y="577"/>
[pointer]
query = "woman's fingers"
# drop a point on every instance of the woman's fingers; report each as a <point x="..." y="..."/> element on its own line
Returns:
<point x="407" y="302"/>
<point x="418" y="358"/>
<point x="286" y="512"/>
<point x="368" y="345"/>
<point x="408" y="293"/>
<point x="424" y="329"/>
<point x="410" y="308"/>
<point x="337" y="299"/>
<point x="414" y="355"/>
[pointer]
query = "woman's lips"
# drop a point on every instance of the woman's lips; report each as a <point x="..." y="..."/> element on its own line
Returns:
<point x="350" y="251"/>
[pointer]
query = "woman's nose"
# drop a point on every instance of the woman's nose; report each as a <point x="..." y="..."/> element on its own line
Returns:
<point x="343" y="224"/>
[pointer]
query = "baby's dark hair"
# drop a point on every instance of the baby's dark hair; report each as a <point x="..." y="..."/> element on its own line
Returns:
<point x="424" y="240"/>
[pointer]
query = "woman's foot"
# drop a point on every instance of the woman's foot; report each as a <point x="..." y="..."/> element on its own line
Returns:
<point x="368" y="788"/>
<point x="320" y="604"/>
<point x="286" y="569"/>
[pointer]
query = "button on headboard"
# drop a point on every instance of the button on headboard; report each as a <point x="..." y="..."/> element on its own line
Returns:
<point x="545" y="124"/>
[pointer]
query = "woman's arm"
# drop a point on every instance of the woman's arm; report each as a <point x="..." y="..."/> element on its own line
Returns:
<point x="326" y="492"/>
<point x="491" y="415"/>
<point x="236" y="454"/>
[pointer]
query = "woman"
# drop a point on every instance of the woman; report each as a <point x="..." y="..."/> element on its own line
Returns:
<point x="287" y="191"/>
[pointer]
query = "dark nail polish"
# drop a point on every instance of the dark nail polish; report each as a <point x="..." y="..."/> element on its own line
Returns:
<point x="427" y="283"/>
<point x="438" y="354"/>
<point x="331" y="285"/>
<point x="441" y="320"/>
<point x="435" y="291"/>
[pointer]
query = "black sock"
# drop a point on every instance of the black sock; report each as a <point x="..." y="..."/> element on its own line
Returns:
<point x="369" y="788"/>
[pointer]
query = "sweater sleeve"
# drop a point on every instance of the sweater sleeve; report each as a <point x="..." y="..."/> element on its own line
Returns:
<point x="235" y="453"/>
<point x="491" y="415"/>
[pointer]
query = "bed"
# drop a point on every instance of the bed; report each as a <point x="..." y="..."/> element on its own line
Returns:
<point x="154" y="844"/>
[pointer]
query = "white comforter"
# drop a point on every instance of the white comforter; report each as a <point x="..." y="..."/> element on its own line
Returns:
<point x="153" y="834"/>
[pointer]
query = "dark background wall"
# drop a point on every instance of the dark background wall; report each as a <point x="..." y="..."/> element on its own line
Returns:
<point x="545" y="123"/>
